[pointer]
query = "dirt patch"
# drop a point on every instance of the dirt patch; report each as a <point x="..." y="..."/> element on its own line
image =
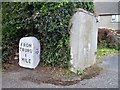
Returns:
<point x="53" y="75"/>
<point x="51" y="80"/>
<point x="10" y="66"/>
<point x="91" y="71"/>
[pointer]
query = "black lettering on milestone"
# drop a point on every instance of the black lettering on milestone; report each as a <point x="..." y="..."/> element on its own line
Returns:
<point x="26" y="50"/>
<point x="25" y="55"/>
<point x="26" y="60"/>
<point x="23" y="59"/>
<point x="21" y="44"/>
<point x="22" y="49"/>
<point x="30" y="50"/>
<point x="29" y="60"/>
<point x="24" y="44"/>
<point x="30" y="45"/>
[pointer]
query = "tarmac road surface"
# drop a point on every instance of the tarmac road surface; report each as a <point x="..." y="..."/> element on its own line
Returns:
<point x="108" y="78"/>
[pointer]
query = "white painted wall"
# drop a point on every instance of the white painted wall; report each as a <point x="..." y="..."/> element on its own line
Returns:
<point x="105" y="21"/>
<point x="83" y="40"/>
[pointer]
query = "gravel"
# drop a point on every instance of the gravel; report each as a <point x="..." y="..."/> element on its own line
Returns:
<point x="108" y="78"/>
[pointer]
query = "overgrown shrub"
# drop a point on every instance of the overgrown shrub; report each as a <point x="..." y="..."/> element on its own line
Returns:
<point x="47" y="21"/>
<point x="107" y="38"/>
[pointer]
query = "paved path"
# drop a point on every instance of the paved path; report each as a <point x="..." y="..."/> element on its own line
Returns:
<point x="107" y="79"/>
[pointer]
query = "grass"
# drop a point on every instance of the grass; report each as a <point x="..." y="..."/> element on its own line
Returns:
<point x="67" y="71"/>
<point x="105" y="52"/>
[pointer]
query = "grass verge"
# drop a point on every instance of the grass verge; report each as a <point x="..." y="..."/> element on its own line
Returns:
<point x="105" y="52"/>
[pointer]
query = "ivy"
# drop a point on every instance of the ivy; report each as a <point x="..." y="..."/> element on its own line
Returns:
<point x="47" y="21"/>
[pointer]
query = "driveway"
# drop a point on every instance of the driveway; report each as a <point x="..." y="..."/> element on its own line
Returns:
<point x="108" y="78"/>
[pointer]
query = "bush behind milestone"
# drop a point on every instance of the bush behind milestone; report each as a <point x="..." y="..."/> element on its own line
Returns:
<point x="47" y="21"/>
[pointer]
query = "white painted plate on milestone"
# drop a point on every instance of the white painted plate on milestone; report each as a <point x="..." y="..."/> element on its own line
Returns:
<point x="29" y="52"/>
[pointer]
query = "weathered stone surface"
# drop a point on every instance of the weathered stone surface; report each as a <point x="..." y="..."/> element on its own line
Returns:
<point x="83" y="40"/>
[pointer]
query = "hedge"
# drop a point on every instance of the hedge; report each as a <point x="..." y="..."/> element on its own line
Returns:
<point x="47" y="21"/>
